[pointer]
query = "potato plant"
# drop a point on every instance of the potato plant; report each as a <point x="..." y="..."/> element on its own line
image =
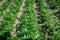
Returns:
<point x="28" y="24"/>
<point x="50" y="23"/>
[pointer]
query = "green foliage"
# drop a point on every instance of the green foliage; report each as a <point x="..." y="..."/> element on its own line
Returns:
<point x="29" y="29"/>
<point x="4" y="6"/>
<point x="28" y="23"/>
<point x="50" y="23"/>
<point x="9" y="16"/>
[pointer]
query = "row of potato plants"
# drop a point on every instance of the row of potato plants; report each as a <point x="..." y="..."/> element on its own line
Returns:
<point x="28" y="24"/>
<point x="9" y="17"/>
<point x="3" y="7"/>
<point x="56" y="4"/>
<point x="57" y="14"/>
<point x="50" y="23"/>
